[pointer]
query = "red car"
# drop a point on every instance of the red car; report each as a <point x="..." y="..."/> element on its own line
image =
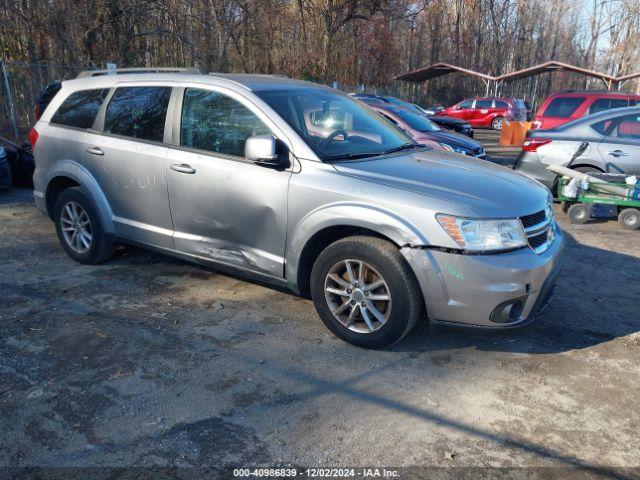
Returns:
<point x="563" y="107"/>
<point x="488" y="111"/>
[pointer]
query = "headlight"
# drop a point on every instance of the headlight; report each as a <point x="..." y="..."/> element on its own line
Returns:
<point x="484" y="235"/>
<point x="451" y="148"/>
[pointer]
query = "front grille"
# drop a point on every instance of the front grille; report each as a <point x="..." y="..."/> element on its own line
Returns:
<point x="540" y="229"/>
<point x="538" y="240"/>
<point x="533" y="219"/>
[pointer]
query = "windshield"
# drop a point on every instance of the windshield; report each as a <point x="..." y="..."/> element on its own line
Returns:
<point x="334" y="125"/>
<point x="416" y="121"/>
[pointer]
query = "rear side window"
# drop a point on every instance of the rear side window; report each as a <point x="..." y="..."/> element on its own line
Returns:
<point x="628" y="127"/>
<point x="138" y="112"/>
<point x="563" y="107"/>
<point x="501" y="104"/>
<point x="602" y="104"/>
<point x="217" y="123"/>
<point x="484" y="103"/>
<point x="80" y="108"/>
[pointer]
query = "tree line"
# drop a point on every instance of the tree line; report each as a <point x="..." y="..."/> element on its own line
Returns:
<point x="353" y="42"/>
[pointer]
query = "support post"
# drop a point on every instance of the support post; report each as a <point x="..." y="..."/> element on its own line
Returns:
<point x="10" y="100"/>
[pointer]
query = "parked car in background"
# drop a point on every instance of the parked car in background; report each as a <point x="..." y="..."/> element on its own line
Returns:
<point x="614" y="146"/>
<point x="529" y="108"/>
<point x="45" y="96"/>
<point x="421" y="129"/>
<point x="432" y="109"/>
<point x="449" y="123"/>
<point x="300" y="186"/>
<point x="488" y="112"/>
<point x="454" y="124"/>
<point x="560" y="108"/>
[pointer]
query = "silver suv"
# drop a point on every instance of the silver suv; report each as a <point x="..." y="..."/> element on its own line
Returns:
<point x="297" y="185"/>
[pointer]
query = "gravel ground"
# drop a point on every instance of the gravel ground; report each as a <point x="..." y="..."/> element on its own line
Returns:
<point x="150" y="361"/>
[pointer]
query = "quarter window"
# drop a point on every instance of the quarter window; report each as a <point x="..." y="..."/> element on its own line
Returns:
<point x="501" y="104"/>
<point x="138" y="112"/>
<point x="217" y="123"/>
<point x="80" y="108"/>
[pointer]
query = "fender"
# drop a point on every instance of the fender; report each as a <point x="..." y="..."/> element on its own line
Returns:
<point x="75" y="171"/>
<point x="347" y="214"/>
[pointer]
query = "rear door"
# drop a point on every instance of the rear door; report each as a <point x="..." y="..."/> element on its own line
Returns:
<point x="225" y="208"/>
<point x="126" y="155"/>
<point x="620" y="149"/>
<point x="601" y="104"/>
<point x="482" y="112"/>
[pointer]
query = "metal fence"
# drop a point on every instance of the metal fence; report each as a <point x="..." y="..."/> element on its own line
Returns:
<point x="20" y="85"/>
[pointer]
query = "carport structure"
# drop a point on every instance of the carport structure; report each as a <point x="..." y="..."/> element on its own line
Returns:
<point x="493" y="83"/>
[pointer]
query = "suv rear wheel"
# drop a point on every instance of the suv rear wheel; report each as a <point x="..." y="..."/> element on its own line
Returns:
<point x="365" y="292"/>
<point x="79" y="229"/>
<point x="496" y="123"/>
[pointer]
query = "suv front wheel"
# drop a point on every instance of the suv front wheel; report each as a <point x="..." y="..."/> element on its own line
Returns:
<point x="79" y="229"/>
<point x="365" y="292"/>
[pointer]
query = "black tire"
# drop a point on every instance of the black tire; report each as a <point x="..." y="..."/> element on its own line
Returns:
<point x="497" y="123"/>
<point x="587" y="169"/>
<point x="406" y="298"/>
<point x="579" y="213"/>
<point x="630" y="218"/>
<point x="101" y="247"/>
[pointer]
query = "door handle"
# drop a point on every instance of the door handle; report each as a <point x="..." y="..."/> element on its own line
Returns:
<point x="183" y="168"/>
<point x="95" y="151"/>
<point x="618" y="153"/>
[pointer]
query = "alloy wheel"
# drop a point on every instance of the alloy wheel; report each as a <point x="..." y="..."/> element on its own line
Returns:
<point x="357" y="295"/>
<point x="76" y="227"/>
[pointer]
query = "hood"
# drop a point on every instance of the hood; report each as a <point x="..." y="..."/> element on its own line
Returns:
<point x="454" y="139"/>
<point x="450" y="120"/>
<point x="489" y="190"/>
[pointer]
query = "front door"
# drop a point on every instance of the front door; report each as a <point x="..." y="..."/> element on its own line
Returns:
<point x="128" y="161"/>
<point x="620" y="149"/>
<point x="224" y="207"/>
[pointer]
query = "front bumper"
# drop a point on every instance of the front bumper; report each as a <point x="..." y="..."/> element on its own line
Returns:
<point x="465" y="290"/>
<point x="529" y="164"/>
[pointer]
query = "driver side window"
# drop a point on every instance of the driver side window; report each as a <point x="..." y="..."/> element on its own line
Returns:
<point x="465" y="104"/>
<point x="214" y="122"/>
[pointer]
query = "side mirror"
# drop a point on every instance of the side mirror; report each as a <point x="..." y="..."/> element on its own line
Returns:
<point x="262" y="150"/>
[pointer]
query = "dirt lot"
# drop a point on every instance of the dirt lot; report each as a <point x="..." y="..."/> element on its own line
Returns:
<point x="149" y="361"/>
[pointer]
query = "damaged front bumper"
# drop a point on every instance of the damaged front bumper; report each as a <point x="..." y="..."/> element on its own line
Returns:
<point x="494" y="291"/>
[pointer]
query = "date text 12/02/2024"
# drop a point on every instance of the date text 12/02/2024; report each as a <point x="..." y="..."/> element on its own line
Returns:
<point x="316" y="472"/>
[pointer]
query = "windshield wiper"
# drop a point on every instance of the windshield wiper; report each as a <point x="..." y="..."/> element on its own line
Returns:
<point x="352" y="156"/>
<point x="404" y="146"/>
<point x="355" y="156"/>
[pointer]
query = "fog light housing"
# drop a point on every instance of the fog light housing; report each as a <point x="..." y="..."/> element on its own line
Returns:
<point x="507" y="312"/>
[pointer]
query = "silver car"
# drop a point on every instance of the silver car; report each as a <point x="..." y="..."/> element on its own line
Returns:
<point x="300" y="186"/>
<point x="613" y="139"/>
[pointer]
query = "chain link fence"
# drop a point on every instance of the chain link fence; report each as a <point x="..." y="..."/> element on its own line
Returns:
<point x="20" y="86"/>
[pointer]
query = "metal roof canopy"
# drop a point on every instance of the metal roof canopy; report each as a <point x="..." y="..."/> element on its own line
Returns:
<point x="554" y="66"/>
<point x="440" y="69"/>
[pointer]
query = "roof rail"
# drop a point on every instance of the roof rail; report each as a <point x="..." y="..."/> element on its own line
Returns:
<point x="97" y="73"/>
<point x="599" y="90"/>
